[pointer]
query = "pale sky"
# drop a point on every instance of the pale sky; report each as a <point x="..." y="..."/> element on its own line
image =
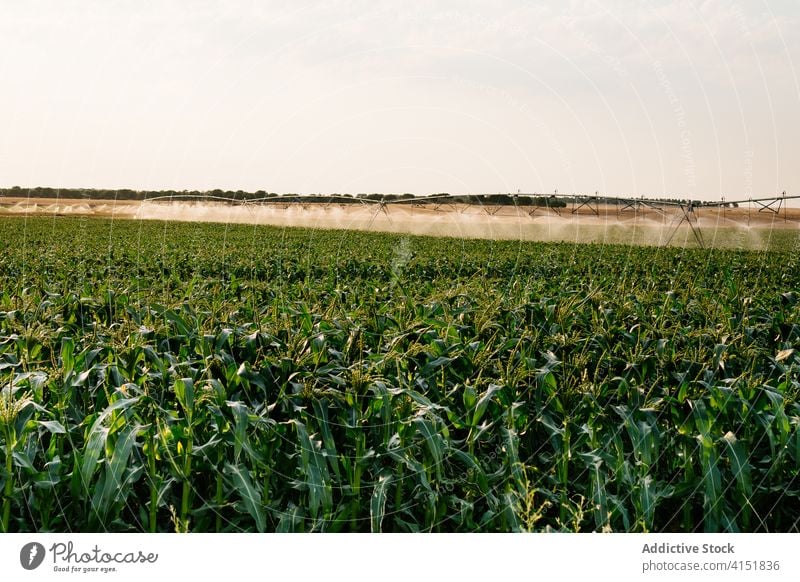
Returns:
<point x="651" y="98"/>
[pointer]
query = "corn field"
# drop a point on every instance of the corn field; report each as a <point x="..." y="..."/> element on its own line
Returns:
<point x="161" y="377"/>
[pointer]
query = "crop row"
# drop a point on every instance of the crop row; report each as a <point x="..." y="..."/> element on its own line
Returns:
<point x="162" y="377"/>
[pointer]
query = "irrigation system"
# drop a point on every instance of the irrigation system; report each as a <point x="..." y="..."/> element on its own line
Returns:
<point x="678" y="211"/>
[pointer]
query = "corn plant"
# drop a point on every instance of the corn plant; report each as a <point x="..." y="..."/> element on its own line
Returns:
<point x="190" y="377"/>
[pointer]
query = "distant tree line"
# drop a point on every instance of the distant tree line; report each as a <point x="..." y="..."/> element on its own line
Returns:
<point x="236" y="195"/>
<point x="242" y="196"/>
<point x="549" y="201"/>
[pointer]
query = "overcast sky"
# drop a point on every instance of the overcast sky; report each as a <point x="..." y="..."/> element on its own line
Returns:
<point x="690" y="97"/>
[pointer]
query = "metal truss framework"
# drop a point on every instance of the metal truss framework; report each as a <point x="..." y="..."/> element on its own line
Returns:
<point x="682" y="211"/>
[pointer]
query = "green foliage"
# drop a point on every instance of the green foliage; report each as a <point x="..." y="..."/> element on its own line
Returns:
<point x="190" y="377"/>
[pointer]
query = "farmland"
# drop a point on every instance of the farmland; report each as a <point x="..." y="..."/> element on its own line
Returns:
<point x="220" y="378"/>
<point x="611" y="223"/>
